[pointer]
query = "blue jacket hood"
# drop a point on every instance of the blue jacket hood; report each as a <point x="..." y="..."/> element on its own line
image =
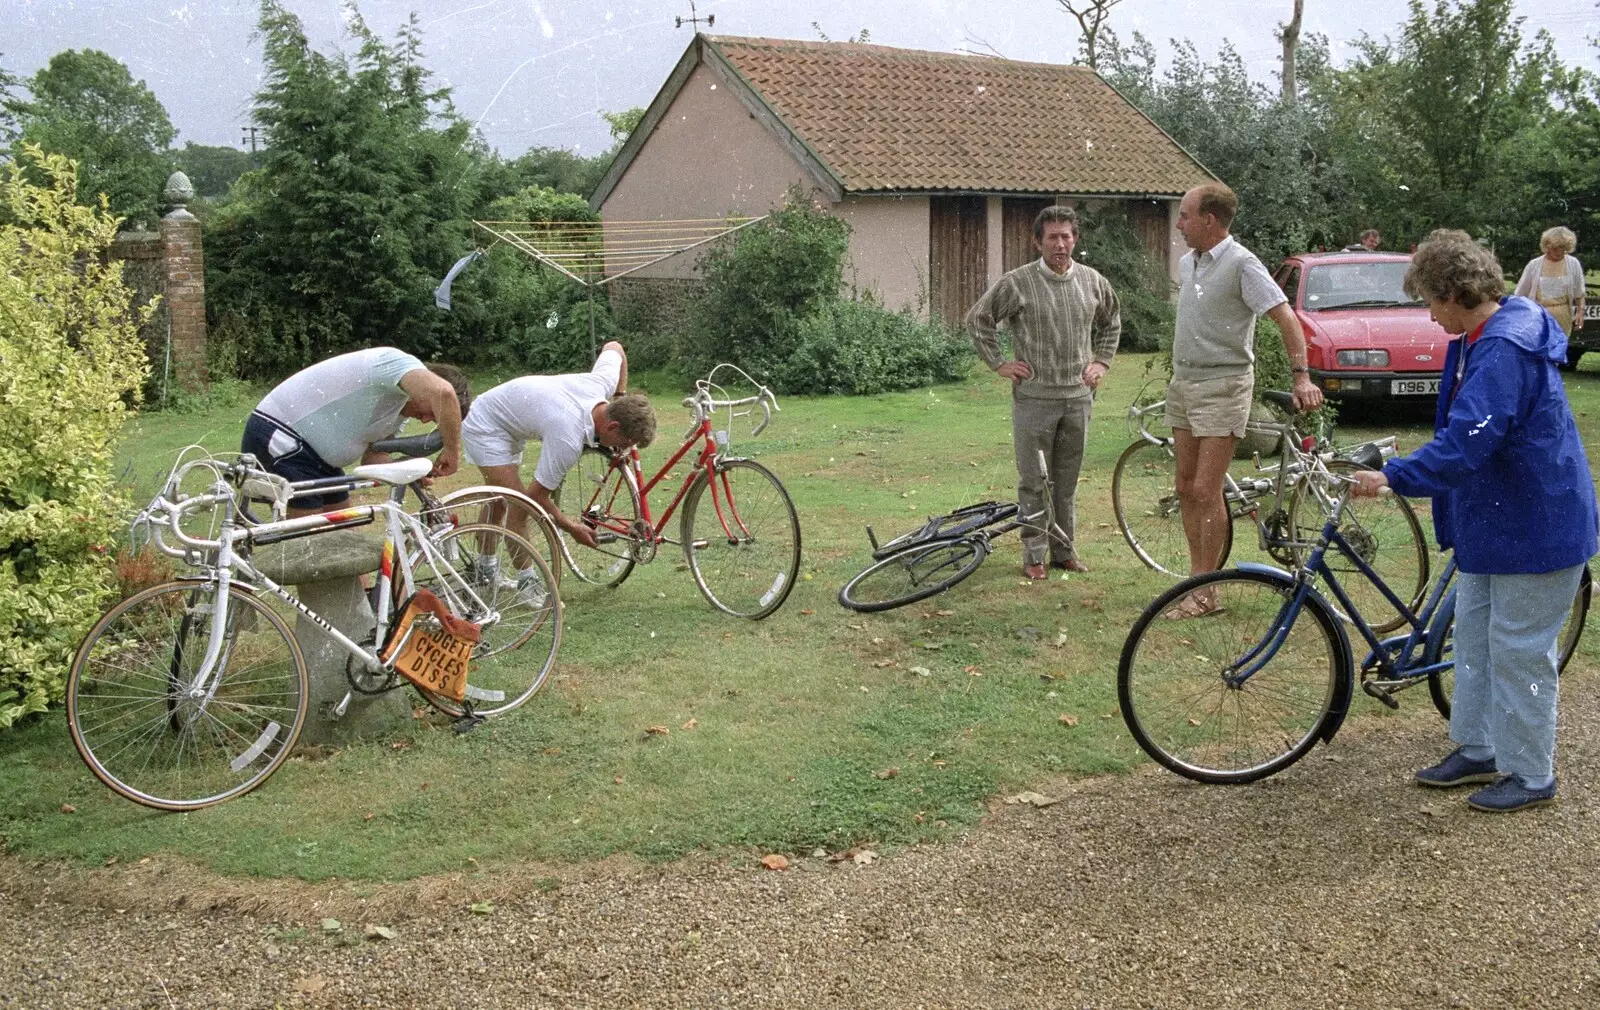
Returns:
<point x="1525" y="323"/>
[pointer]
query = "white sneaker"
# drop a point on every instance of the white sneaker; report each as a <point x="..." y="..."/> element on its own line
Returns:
<point x="531" y="590"/>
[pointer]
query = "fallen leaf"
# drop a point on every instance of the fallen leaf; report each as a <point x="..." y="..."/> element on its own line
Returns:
<point x="972" y="670"/>
<point x="691" y="724"/>
<point x="933" y="646"/>
<point x="922" y="671"/>
<point x="656" y="731"/>
<point x="808" y="611"/>
<point x="887" y="773"/>
<point x="864" y="857"/>
<point x="379" y="933"/>
<point x="1431" y="811"/>
<point x="111" y="860"/>
<point x="1193" y="721"/>
<point x="1033" y="799"/>
<point x="1068" y="720"/>
<point x="940" y="764"/>
<point x="944" y="613"/>
<point x="332" y="926"/>
<point x="617" y="780"/>
<point x="775" y="862"/>
<point x="310" y="984"/>
<point x="1061" y="639"/>
<point x="856" y="627"/>
<point x="481" y="908"/>
<point x="552" y="751"/>
<point x="145" y="860"/>
<point x="367" y="816"/>
<point x="880" y="664"/>
<point x="401" y="744"/>
<point x="819" y="853"/>
<point x="876" y="641"/>
<point x="68" y="808"/>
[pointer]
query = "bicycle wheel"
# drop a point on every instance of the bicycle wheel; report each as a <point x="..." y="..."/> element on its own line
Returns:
<point x="134" y="713"/>
<point x="742" y="538"/>
<point x="912" y="574"/>
<point x="1144" y="497"/>
<point x="1442" y="684"/>
<point x="1383" y="531"/>
<point x="498" y="506"/>
<point x="520" y="617"/>
<point x="607" y="501"/>
<point x="1173" y="686"/>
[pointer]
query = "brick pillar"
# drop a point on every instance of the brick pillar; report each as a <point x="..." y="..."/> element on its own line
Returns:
<point x="186" y="287"/>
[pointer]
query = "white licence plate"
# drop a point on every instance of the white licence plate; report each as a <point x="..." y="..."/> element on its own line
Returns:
<point x="1414" y="387"/>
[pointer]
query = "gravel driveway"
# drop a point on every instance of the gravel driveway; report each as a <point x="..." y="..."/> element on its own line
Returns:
<point x="1336" y="884"/>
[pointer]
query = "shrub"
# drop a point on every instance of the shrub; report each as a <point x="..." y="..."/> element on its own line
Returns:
<point x="761" y="283"/>
<point x="72" y="358"/>
<point x="861" y="347"/>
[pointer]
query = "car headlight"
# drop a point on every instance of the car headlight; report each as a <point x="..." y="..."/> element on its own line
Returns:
<point x="1364" y="359"/>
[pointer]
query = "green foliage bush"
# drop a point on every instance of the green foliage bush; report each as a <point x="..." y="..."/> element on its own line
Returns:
<point x="1108" y="243"/>
<point x="70" y="359"/>
<point x="861" y="347"/>
<point x="761" y="283"/>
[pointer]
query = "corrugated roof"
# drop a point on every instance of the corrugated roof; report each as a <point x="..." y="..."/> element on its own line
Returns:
<point x="889" y="119"/>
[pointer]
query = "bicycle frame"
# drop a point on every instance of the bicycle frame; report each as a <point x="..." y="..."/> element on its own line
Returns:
<point x="229" y="565"/>
<point x="1394" y="654"/>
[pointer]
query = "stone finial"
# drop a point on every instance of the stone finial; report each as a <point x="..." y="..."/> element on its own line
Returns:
<point x="179" y="190"/>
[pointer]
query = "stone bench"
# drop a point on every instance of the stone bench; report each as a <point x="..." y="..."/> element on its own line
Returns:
<point x="325" y="571"/>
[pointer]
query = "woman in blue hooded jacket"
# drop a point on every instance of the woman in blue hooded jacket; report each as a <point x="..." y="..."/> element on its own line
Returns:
<point x="1513" y="497"/>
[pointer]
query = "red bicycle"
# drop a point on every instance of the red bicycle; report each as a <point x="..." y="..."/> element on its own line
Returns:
<point x="738" y="529"/>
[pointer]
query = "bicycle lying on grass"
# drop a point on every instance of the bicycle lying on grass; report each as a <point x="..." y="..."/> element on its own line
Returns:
<point x="194" y="691"/>
<point x="943" y="551"/>
<point x="1248" y="689"/>
<point x="1278" y="500"/>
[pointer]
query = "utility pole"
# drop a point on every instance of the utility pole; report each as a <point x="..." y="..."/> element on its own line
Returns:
<point x="694" y="19"/>
<point x="251" y="135"/>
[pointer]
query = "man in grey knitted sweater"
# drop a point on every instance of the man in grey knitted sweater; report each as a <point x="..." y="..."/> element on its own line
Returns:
<point x="1065" y="322"/>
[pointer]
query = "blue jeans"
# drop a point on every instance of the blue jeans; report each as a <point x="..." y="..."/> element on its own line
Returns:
<point x="1505" y="652"/>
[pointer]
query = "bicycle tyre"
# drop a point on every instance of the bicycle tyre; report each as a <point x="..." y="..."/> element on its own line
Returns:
<point x="487" y="503"/>
<point x="1384" y="531"/>
<point x="959" y="523"/>
<point x="502" y="674"/>
<point x="1441" y="685"/>
<point x="914" y="573"/>
<point x="143" y="739"/>
<point x="1215" y="743"/>
<point x="744" y="550"/>
<point x="610" y="506"/>
<point x="1144" y="498"/>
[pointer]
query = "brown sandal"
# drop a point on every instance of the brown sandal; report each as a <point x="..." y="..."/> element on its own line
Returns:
<point x="1192" y="606"/>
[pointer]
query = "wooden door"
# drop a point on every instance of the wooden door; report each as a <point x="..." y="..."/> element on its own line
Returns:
<point x="1149" y="220"/>
<point x="958" y="255"/>
<point x="1016" y="230"/>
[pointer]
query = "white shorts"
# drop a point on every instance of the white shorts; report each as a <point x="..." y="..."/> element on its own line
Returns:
<point x="490" y="447"/>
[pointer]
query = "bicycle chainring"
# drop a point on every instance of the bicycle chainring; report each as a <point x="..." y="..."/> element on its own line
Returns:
<point x="644" y="542"/>
<point x="1279" y="536"/>
<point x="365" y="681"/>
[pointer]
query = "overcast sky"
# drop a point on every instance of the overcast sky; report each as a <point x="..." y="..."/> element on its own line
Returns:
<point x="538" y="72"/>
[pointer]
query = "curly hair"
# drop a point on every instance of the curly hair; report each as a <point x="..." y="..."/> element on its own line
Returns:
<point x="637" y="417"/>
<point x="1450" y="265"/>
<point x="1558" y="238"/>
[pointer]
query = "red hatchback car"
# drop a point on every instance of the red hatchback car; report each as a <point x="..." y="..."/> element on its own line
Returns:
<point x="1367" y="339"/>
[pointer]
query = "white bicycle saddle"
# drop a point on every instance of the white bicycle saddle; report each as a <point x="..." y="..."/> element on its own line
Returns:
<point x="403" y="472"/>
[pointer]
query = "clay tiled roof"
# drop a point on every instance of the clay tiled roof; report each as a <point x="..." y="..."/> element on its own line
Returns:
<point x="902" y="119"/>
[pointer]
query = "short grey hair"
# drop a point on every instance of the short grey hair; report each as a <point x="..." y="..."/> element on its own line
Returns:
<point x="1559" y="237"/>
<point x="1055" y="213"/>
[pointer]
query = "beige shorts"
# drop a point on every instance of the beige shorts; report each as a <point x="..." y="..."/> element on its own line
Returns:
<point x="1210" y="408"/>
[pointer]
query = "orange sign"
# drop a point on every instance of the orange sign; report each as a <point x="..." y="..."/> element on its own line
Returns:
<point x="430" y="658"/>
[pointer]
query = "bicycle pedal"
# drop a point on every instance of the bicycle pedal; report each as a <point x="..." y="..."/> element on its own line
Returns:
<point x="1381" y="694"/>
<point x="467" y="723"/>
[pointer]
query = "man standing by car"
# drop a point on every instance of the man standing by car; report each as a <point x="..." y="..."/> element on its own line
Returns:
<point x="1370" y="239"/>
<point x="323" y="417"/>
<point x="1065" y="323"/>
<point x="1222" y="288"/>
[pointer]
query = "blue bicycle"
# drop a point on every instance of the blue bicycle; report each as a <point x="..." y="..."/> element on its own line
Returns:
<point x="1249" y="688"/>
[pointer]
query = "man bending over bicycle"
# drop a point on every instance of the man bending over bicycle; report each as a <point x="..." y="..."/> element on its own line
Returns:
<point x="565" y="413"/>
<point x="325" y="417"/>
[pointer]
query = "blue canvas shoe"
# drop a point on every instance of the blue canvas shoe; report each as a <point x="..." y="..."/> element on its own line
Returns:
<point x="1510" y="794"/>
<point x="1456" y="770"/>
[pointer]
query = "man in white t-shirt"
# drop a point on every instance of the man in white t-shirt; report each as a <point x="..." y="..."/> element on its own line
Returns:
<point x="565" y="413"/>
<point x="324" y="417"/>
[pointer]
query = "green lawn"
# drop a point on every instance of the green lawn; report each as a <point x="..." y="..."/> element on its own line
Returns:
<point x="816" y="727"/>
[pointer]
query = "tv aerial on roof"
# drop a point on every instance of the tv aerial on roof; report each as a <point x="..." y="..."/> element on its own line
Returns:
<point x="694" y="18"/>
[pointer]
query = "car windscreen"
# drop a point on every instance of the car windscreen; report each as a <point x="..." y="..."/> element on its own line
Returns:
<point x="1357" y="286"/>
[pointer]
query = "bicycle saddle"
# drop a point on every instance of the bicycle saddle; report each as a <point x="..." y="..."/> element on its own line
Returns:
<point x="403" y="472"/>
<point x="411" y="445"/>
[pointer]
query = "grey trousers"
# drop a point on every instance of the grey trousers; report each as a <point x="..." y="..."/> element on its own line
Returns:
<point x="1060" y="429"/>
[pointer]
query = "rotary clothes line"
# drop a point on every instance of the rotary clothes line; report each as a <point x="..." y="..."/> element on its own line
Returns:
<point x="595" y="253"/>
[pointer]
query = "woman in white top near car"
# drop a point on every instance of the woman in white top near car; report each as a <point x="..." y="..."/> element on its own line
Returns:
<point x="1555" y="280"/>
